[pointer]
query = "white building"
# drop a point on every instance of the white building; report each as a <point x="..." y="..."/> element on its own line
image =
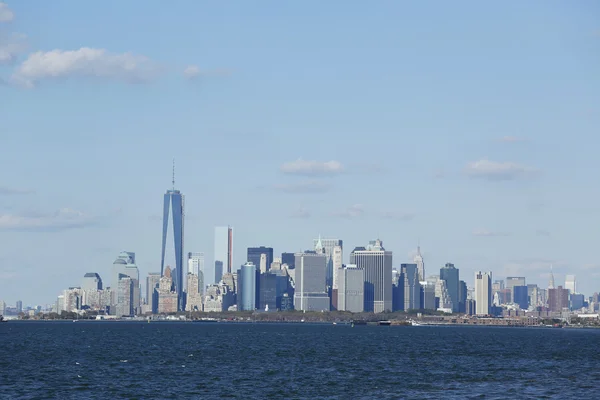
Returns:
<point x="327" y="246"/>
<point x="483" y="293"/>
<point x="193" y="295"/>
<point x="377" y="264"/>
<point x="420" y="264"/>
<point x="351" y="289"/>
<point x="311" y="282"/>
<point x="570" y="284"/>
<point x="196" y="267"/>
<point x="223" y="253"/>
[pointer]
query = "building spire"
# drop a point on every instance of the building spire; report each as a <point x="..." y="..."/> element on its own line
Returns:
<point x="173" y="174"/>
<point x="319" y="246"/>
<point x="551" y="283"/>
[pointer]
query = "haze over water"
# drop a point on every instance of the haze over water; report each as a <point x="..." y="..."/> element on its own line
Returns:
<point x="88" y="360"/>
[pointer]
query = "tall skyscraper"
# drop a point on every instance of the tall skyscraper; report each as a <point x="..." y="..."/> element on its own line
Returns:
<point x="551" y="280"/>
<point x="193" y="301"/>
<point x="558" y="299"/>
<point x="125" y="296"/>
<point x="289" y="259"/>
<point x="351" y="289"/>
<point x="450" y="274"/>
<point x="327" y="246"/>
<point x="152" y="281"/>
<point x="521" y="298"/>
<point x="570" y="284"/>
<point x="311" y="282"/>
<point x="91" y="281"/>
<point x="174" y="207"/>
<point x="223" y="251"/>
<point x="254" y="254"/>
<point x="409" y="278"/>
<point x="196" y="267"/>
<point x="247" y="287"/>
<point x="377" y="264"/>
<point x="125" y="265"/>
<point x="420" y="264"/>
<point x="483" y="293"/>
<point x="167" y="297"/>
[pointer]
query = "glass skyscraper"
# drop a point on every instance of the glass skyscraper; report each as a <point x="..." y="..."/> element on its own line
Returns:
<point x="174" y="206"/>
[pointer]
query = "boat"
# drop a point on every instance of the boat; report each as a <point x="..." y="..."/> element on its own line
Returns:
<point x="384" y="323"/>
<point x="415" y="323"/>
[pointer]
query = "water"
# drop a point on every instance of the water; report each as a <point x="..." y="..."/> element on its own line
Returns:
<point x="93" y="360"/>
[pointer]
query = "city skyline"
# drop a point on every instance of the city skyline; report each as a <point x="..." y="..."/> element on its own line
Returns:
<point x="497" y="156"/>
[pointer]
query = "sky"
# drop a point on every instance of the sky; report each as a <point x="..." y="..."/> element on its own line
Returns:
<point x="469" y="128"/>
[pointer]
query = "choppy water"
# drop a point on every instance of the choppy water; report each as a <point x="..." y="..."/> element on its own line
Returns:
<point x="108" y="360"/>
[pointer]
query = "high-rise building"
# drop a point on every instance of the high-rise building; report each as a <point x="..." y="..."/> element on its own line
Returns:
<point x="558" y="299"/>
<point x="551" y="279"/>
<point x="218" y="271"/>
<point x="247" y="287"/>
<point x="223" y="252"/>
<point x="263" y="264"/>
<point x="462" y="296"/>
<point x="196" y="267"/>
<point x="125" y="296"/>
<point x="167" y="297"/>
<point x="337" y="265"/>
<point x="351" y="289"/>
<point x="311" y="282"/>
<point x="428" y="296"/>
<point x="570" y="283"/>
<point x="450" y="274"/>
<point x="511" y="282"/>
<point x="409" y="277"/>
<point x="377" y="264"/>
<point x="193" y="301"/>
<point x="152" y="281"/>
<point x="268" y="292"/>
<point x="521" y="297"/>
<point x="19" y="307"/>
<point x="91" y="281"/>
<point x="125" y="265"/>
<point x="420" y="264"/>
<point x="327" y="246"/>
<point x="289" y="259"/>
<point x="174" y="207"/>
<point x="483" y="293"/>
<point x="254" y="254"/>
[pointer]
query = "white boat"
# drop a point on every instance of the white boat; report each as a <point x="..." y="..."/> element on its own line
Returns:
<point x="415" y="323"/>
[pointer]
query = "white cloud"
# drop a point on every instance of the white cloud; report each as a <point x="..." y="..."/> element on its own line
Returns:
<point x="62" y="219"/>
<point x="312" y="168"/>
<point x="304" y="187"/>
<point x="497" y="171"/>
<point x="486" y="233"/>
<point x="85" y="62"/>
<point x="6" y="15"/>
<point x="191" y="71"/>
<point x="10" y="47"/>
<point x="401" y="216"/>
<point x="355" y="211"/>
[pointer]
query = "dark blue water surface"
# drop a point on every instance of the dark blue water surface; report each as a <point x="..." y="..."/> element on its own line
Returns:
<point x="108" y="360"/>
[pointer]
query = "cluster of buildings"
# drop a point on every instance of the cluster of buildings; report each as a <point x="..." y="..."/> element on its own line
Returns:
<point x="312" y="280"/>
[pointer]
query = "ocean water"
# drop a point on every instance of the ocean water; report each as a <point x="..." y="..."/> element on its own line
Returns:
<point x="122" y="360"/>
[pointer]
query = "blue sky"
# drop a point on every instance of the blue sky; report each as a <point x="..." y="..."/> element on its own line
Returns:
<point x="471" y="128"/>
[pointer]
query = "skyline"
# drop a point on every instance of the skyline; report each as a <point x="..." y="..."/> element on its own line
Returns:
<point x="477" y="141"/>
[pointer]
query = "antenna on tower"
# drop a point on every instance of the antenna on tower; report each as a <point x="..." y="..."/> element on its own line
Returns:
<point x="173" y="174"/>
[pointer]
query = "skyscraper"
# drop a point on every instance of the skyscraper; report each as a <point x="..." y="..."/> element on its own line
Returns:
<point x="351" y="289"/>
<point x="174" y="206"/>
<point x="570" y="284"/>
<point x="483" y="293"/>
<point x="450" y="274"/>
<point x="247" y="287"/>
<point x="223" y="252"/>
<point x="409" y="278"/>
<point x="255" y="252"/>
<point x="196" y="267"/>
<point x="377" y="264"/>
<point x="125" y="266"/>
<point x="193" y="296"/>
<point x="420" y="264"/>
<point x="327" y="246"/>
<point x="551" y="279"/>
<point x="91" y="281"/>
<point x="311" y="282"/>
<point x="511" y="282"/>
<point x="152" y="281"/>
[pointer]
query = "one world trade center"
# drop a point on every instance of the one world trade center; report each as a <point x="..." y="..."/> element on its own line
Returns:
<point x="174" y="205"/>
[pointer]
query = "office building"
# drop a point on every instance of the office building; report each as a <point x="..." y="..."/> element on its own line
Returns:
<point x="269" y="292"/>
<point x="428" y="301"/>
<point x="196" y="267"/>
<point x="409" y="278"/>
<point x="577" y="301"/>
<point x="558" y="299"/>
<point x="167" y="296"/>
<point x="337" y="265"/>
<point x="193" y="300"/>
<point x="263" y="264"/>
<point x="513" y="281"/>
<point x="152" y="281"/>
<point x="351" y="289"/>
<point x="247" y="287"/>
<point x="450" y="274"/>
<point x="174" y="207"/>
<point x="289" y="259"/>
<point x="254" y="255"/>
<point x="218" y="298"/>
<point x="223" y="253"/>
<point x="125" y="265"/>
<point x="91" y="281"/>
<point x="311" y="282"/>
<point x="327" y="247"/>
<point x="483" y="293"/>
<point x="125" y="297"/>
<point x="19" y="307"/>
<point x="462" y="296"/>
<point x="521" y="297"/>
<point x="377" y="264"/>
<point x="420" y="264"/>
<point x="570" y="284"/>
